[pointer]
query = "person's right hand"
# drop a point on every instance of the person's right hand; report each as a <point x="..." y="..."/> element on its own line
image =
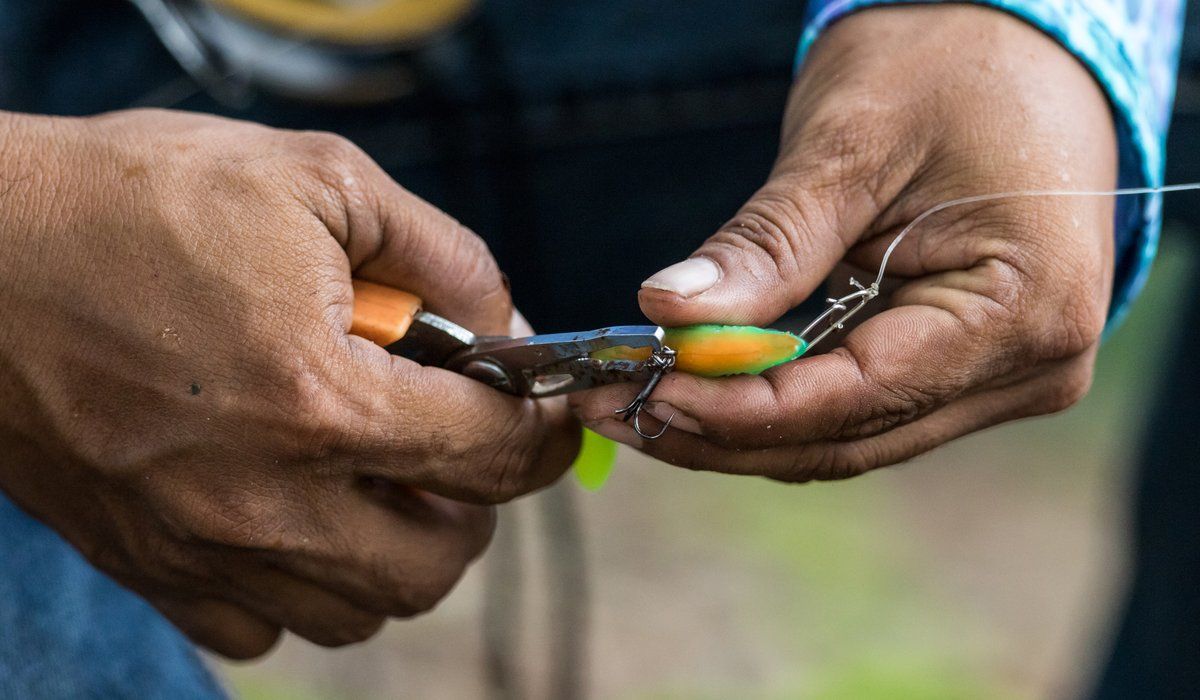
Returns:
<point x="180" y="399"/>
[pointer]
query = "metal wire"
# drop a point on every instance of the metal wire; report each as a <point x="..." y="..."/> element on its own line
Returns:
<point x="1183" y="187"/>
<point x="866" y="294"/>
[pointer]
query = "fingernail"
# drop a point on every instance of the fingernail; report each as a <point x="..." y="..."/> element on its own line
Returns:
<point x="618" y="431"/>
<point x="687" y="278"/>
<point x="663" y="412"/>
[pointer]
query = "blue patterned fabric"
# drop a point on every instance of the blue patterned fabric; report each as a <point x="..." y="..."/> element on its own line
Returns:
<point x="1132" y="47"/>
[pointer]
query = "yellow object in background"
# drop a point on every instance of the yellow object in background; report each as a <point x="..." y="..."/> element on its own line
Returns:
<point x="357" y="22"/>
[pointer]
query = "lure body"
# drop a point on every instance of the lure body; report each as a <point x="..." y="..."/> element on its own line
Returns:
<point x="712" y="350"/>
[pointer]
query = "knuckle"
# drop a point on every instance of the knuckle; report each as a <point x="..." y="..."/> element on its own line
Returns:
<point x="775" y="225"/>
<point x="434" y="584"/>
<point x="414" y="582"/>
<point x="887" y="408"/>
<point x="508" y="466"/>
<point x="851" y="460"/>
<point x="317" y="423"/>
<point x="509" y="475"/>
<point x="827" y="462"/>
<point x="346" y="632"/>
<point x="1001" y="294"/>
<point x="843" y="154"/>
<point x="753" y="418"/>
<point x="804" y="467"/>
<point x="244" y="647"/>
<point x="339" y="170"/>
<point x="329" y="153"/>
<point x="1083" y="320"/>
<point x="883" y="401"/>
<point x="478" y="277"/>
<point x="397" y="582"/>
<point x="1067" y="389"/>
<point x="1074" y="320"/>
<point x="106" y="452"/>
<point x="478" y="529"/>
<point x="445" y="577"/>
<point x="1065" y="330"/>
<point x="234" y="516"/>
<point x="469" y="247"/>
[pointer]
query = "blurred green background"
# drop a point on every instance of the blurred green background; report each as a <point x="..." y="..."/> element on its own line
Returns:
<point x="991" y="568"/>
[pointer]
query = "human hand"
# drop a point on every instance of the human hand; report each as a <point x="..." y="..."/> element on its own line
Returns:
<point x="180" y="399"/>
<point x="1000" y="305"/>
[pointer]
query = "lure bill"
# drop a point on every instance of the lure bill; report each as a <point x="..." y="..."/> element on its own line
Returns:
<point x="712" y="350"/>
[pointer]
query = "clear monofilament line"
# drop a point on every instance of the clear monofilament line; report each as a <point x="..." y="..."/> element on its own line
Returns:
<point x="867" y="294"/>
<point x="1020" y="193"/>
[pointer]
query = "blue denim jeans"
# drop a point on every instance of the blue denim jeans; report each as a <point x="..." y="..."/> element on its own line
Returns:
<point x="590" y="142"/>
<point x="67" y="631"/>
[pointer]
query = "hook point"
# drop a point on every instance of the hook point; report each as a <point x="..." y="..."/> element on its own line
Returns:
<point x="637" y="426"/>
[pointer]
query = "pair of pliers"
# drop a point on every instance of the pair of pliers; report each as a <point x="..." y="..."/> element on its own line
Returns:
<point x="535" y="366"/>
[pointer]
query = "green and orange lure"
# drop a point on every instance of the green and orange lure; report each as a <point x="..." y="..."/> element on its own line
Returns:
<point x="707" y="350"/>
<point x="712" y="350"/>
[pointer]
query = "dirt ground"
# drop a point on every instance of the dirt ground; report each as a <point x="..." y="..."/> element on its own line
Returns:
<point x="991" y="568"/>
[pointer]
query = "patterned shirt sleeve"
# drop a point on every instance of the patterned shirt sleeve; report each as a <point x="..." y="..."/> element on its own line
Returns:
<point x="1132" y="48"/>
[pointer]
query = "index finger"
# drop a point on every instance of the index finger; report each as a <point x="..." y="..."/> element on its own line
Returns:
<point x="393" y="237"/>
<point x="445" y="433"/>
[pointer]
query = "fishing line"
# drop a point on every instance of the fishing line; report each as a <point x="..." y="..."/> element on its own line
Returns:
<point x="1182" y="187"/>
<point x="863" y="295"/>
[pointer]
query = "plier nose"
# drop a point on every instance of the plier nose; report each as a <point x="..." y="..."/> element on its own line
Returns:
<point x="534" y="366"/>
<point x="557" y="363"/>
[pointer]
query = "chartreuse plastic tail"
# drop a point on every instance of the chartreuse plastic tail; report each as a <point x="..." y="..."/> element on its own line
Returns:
<point x="595" y="462"/>
<point x="712" y="350"/>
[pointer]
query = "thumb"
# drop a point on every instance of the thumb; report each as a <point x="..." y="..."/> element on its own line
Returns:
<point x="766" y="260"/>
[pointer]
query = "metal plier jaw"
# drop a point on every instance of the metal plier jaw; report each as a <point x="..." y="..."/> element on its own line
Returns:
<point x="557" y="363"/>
<point x="534" y="366"/>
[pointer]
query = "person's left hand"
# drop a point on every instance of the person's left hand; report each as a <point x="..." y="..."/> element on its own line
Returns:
<point x="1001" y="305"/>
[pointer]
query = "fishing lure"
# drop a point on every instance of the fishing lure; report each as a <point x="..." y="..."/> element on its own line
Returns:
<point x="715" y="350"/>
<point x="712" y="350"/>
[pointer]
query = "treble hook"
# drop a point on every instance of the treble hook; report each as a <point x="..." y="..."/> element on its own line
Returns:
<point x="660" y="362"/>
